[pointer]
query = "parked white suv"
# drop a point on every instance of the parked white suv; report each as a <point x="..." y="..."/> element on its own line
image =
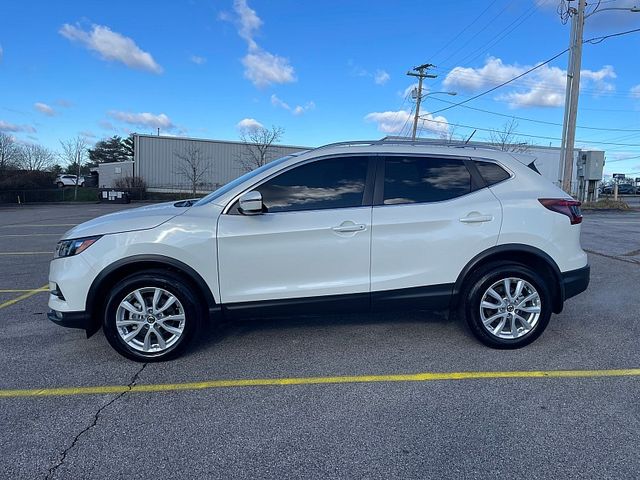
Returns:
<point x="68" y="180"/>
<point x="360" y="225"/>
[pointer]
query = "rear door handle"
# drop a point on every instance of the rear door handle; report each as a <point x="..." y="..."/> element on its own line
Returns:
<point x="476" y="218"/>
<point x="349" y="227"/>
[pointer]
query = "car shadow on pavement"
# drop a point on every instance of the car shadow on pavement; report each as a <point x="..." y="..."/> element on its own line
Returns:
<point x="212" y="334"/>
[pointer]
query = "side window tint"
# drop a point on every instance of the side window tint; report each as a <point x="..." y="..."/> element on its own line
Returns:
<point x="491" y="172"/>
<point x="332" y="183"/>
<point x="422" y="179"/>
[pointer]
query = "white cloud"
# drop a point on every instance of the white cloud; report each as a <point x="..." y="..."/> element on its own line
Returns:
<point x="381" y="77"/>
<point x="261" y="67"/>
<point x="491" y="74"/>
<point x="64" y="103"/>
<point x="87" y="134"/>
<point x="248" y="124"/>
<point x="45" y="109"/>
<point x="12" y="127"/>
<point x="543" y="87"/>
<point x="393" y="122"/>
<point x="249" y="22"/>
<point x="297" y="110"/>
<point x="143" y="119"/>
<point x="264" y="69"/>
<point x="111" y="46"/>
<point x="198" y="60"/>
<point x="301" y="109"/>
<point x="635" y="91"/>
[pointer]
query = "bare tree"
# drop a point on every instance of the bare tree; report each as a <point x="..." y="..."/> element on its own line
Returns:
<point x="507" y="139"/>
<point x="450" y="136"/>
<point x="9" y="152"/>
<point x="34" y="157"/>
<point x="193" y="165"/>
<point x="259" y="142"/>
<point x="74" y="152"/>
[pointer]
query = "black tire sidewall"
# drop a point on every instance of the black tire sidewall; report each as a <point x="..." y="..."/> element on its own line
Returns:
<point x="479" y="284"/>
<point x="177" y="287"/>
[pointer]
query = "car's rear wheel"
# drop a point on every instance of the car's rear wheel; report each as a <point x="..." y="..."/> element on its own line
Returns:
<point x="507" y="305"/>
<point x="151" y="316"/>
<point x="60" y="184"/>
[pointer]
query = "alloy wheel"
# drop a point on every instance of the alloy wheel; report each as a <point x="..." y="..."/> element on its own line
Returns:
<point x="510" y="308"/>
<point x="150" y="319"/>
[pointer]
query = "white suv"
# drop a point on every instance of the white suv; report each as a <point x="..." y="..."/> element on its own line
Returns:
<point x="378" y="225"/>
<point x="68" y="180"/>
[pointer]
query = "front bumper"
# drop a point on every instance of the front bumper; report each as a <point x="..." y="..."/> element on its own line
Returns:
<point x="575" y="281"/>
<point x="70" y="319"/>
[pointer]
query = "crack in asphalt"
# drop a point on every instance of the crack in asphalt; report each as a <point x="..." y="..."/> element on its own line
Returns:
<point x="94" y="422"/>
<point x="613" y="257"/>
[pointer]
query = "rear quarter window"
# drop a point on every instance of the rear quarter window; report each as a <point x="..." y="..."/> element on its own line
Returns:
<point x="491" y="172"/>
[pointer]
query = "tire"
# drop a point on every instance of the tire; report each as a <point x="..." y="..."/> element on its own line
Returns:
<point x="60" y="184"/>
<point x="521" y="280"/>
<point x="158" y="338"/>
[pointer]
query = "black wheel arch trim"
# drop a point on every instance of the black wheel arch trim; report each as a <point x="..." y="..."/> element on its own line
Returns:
<point x="512" y="248"/>
<point x="94" y="291"/>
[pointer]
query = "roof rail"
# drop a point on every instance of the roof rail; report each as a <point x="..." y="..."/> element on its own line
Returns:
<point x="408" y="141"/>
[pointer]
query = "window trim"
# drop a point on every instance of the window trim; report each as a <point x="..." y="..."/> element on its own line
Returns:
<point x="477" y="182"/>
<point x="367" y="196"/>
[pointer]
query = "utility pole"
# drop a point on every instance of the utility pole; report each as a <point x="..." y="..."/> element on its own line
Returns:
<point x="420" y="72"/>
<point x="572" y="93"/>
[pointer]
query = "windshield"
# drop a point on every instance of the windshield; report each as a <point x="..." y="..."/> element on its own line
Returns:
<point x="234" y="183"/>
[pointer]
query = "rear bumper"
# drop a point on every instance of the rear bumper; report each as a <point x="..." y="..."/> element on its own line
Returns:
<point x="575" y="281"/>
<point x="70" y="319"/>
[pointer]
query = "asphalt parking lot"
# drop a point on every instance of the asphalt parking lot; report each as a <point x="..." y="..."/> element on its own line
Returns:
<point x="408" y="395"/>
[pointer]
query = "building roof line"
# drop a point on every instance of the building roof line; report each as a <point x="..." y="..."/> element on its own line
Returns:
<point x="209" y="140"/>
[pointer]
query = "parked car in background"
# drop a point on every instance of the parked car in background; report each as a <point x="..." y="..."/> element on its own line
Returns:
<point x="68" y="181"/>
<point x="623" y="189"/>
<point x="378" y="225"/>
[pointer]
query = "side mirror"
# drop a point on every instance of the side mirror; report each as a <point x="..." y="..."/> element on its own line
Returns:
<point x="250" y="203"/>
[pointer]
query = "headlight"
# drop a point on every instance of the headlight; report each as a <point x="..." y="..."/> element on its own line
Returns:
<point x="67" y="248"/>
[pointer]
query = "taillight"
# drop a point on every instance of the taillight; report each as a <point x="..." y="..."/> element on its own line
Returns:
<point x="570" y="208"/>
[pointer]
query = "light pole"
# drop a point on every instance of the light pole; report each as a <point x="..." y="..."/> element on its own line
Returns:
<point x="573" y="87"/>
<point x="418" y="100"/>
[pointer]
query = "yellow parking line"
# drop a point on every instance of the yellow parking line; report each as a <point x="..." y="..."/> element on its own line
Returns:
<point x="30" y="293"/>
<point x="26" y="253"/>
<point x="18" y="290"/>
<point x="263" y="382"/>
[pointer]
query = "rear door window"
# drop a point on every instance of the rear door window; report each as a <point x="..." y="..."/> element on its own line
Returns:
<point x="424" y="179"/>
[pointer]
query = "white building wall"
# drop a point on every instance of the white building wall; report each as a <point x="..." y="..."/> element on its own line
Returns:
<point x="108" y="173"/>
<point x="158" y="165"/>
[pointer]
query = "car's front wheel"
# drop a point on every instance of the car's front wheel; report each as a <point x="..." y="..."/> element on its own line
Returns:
<point x="507" y="305"/>
<point x="151" y="316"/>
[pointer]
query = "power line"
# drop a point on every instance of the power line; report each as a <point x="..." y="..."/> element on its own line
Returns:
<point x="501" y="35"/>
<point x="455" y="52"/>
<point x="531" y="135"/>
<point x="555" y="124"/>
<point x="591" y="40"/>
<point x="464" y="29"/>
<point x="503" y="83"/>
<point x="596" y="40"/>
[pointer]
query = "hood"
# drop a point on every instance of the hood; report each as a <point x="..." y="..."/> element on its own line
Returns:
<point x="142" y="218"/>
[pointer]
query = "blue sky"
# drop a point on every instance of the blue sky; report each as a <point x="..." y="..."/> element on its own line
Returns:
<point x="325" y="71"/>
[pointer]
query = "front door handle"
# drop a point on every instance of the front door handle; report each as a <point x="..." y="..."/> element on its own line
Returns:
<point x="476" y="218"/>
<point x="349" y="227"/>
